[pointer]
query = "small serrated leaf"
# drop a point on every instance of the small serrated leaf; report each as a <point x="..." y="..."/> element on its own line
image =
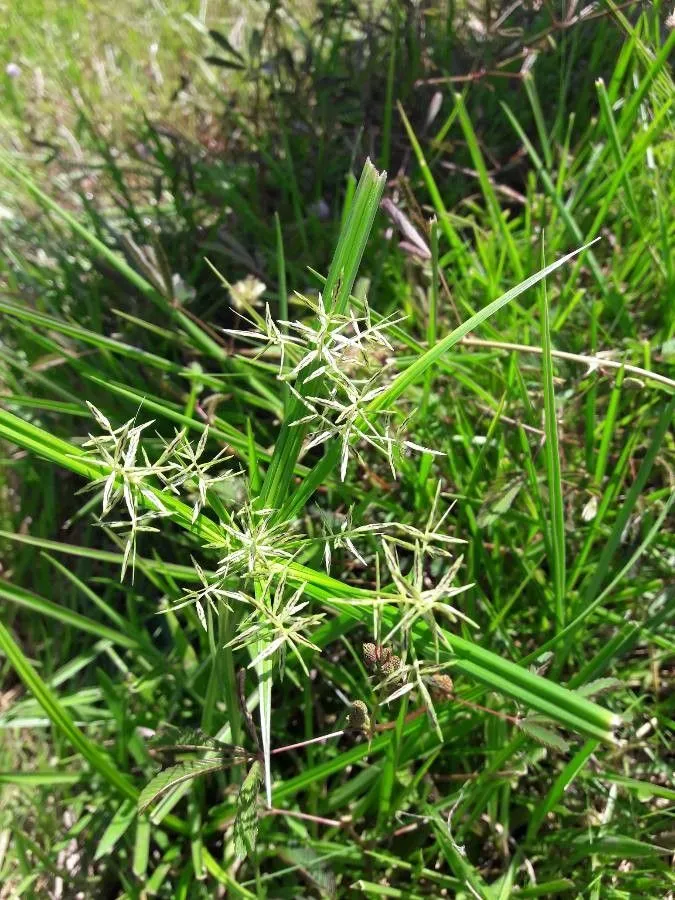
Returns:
<point x="246" y="821"/>
<point x="546" y="736"/>
<point x="175" y="775"/>
<point x="599" y="686"/>
<point x="186" y="739"/>
<point x="496" y="506"/>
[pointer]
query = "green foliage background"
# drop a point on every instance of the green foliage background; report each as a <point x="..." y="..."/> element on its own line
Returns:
<point x="142" y="148"/>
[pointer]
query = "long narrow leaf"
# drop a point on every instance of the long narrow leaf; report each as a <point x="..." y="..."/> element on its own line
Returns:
<point x="552" y="452"/>
<point x="61" y="718"/>
<point x="415" y="371"/>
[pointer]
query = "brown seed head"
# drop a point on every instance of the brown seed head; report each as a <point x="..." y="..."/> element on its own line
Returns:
<point x="380" y="659"/>
<point x="389" y="663"/>
<point x="370" y="655"/>
<point x="441" y="686"/>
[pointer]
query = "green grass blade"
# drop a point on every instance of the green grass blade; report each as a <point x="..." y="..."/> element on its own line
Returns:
<point x="37" y="779"/>
<point x="61" y="718"/>
<point x="415" y="371"/>
<point x="560" y="785"/>
<point x="566" y="216"/>
<point x="552" y="451"/>
<point x="444" y="218"/>
<point x="499" y="221"/>
<point x="175" y="570"/>
<point x="608" y="431"/>
<point x="139" y="863"/>
<point x="117" y="827"/>
<point x="27" y="600"/>
<point x="600" y="570"/>
<point x="337" y="290"/>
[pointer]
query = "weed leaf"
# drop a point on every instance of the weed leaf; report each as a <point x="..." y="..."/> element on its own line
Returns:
<point x="246" y="822"/>
<point x="175" y="775"/>
<point x="544" y="735"/>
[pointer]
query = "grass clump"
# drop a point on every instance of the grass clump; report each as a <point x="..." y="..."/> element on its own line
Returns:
<point x="369" y="591"/>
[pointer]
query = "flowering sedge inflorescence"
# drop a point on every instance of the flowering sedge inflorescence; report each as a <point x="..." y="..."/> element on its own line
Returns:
<point x="349" y="358"/>
<point x="333" y="367"/>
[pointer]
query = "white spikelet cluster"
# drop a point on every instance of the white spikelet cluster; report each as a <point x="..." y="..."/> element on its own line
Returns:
<point x="338" y="352"/>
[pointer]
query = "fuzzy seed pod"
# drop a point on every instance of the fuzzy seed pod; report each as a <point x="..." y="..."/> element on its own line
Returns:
<point x="370" y="655"/>
<point x="380" y="660"/>
<point x="389" y="663"/>
<point x="441" y="686"/>
<point x="358" y="718"/>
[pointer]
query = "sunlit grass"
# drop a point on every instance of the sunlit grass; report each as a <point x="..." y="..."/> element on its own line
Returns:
<point x="393" y="559"/>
